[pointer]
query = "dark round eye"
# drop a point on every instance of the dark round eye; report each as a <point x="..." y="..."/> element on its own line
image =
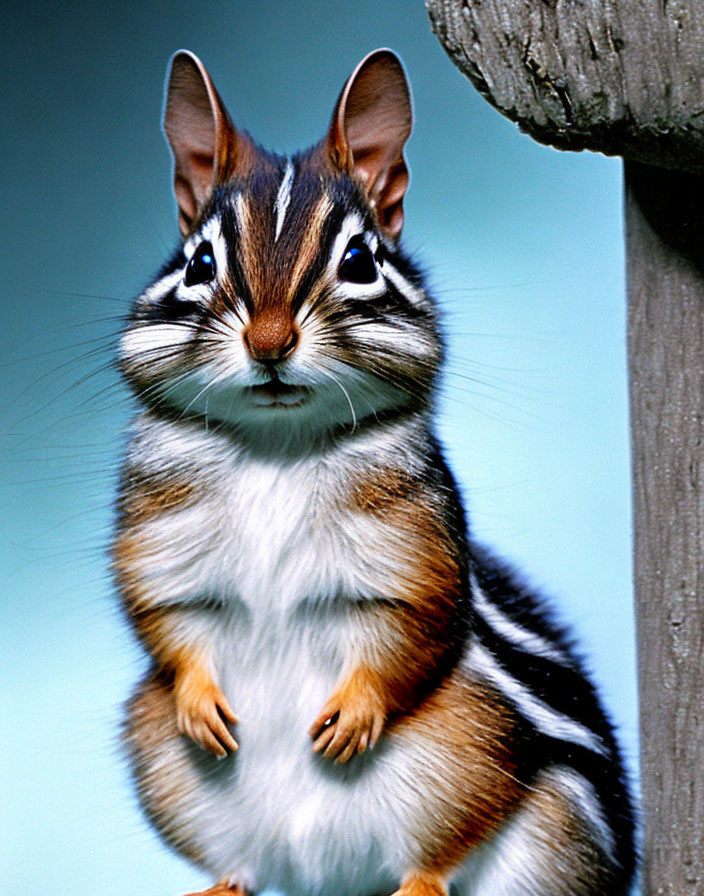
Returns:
<point x="201" y="267"/>
<point x="358" y="265"/>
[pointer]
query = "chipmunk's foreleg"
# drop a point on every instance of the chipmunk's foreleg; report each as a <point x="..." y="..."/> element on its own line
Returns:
<point x="422" y="883"/>
<point x="401" y="639"/>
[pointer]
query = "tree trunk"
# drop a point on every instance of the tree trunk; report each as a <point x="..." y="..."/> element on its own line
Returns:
<point x="665" y="250"/>
<point x="623" y="77"/>
<point x="626" y="77"/>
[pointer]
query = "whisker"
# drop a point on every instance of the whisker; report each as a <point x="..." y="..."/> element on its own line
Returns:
<point x="327" y="372"/>
<point x="195" y="398"/>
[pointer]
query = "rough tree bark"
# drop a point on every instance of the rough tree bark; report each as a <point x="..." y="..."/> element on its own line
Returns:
<point x="665" y="237"/>
<point x="623" y="77"/>
<point x="626" y="77"/>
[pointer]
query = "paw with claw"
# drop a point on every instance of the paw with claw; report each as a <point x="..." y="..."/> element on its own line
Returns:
<point x="203" y="712"/>
<point x="223" y="888"/>
<point x="350" y="722"/>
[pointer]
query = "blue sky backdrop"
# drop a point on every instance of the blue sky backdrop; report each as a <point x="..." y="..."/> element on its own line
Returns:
<point x="524" y="249"/>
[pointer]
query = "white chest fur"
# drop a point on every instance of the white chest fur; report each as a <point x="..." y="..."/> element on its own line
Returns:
<point x="269" y="533"/>
<point x="272" y="557"/>
<point x="281" y="534"/>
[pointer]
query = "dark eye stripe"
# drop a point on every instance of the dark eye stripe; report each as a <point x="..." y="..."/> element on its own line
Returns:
<point x="170" y="308"/>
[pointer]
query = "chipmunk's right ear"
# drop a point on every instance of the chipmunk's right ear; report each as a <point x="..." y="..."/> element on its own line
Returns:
<point x="206" y="147"/>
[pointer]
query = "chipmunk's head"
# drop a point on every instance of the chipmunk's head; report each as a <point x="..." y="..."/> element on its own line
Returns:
<point x="289" y="304"/>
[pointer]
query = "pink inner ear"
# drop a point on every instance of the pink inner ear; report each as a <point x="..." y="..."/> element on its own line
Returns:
<point x="190" y="128"/>
<point x="203" y="141"/>
<point x="201" y="178"/>
<point x="373" y="121"/>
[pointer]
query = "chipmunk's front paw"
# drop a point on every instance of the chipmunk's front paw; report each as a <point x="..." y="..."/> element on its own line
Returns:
<point x="422" y="885"/>
<point x="351" y="720"/>
<point x="223" y="888"/>
<point x="202" y="711"/>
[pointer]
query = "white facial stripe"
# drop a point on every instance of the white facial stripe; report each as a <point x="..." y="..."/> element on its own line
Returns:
<point x="211" y="232"/>
<point x="345" y="290"/>
<point x="242" y="215"/>
<point x="381" y="336"/>
<point x="514" y="633"/>
<point x="174" y="280"/>
<point x="371" y="240"/>
<point x="283" y="197"/>
<point x="544" y="717"/>
<point x="353" y="226"/>
<point x="201" y="292"/>
<point x="410" y="292"/>
<point x="162" y="287"/>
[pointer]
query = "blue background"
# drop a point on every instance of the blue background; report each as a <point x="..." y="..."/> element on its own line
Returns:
<point x="524" y="248"/>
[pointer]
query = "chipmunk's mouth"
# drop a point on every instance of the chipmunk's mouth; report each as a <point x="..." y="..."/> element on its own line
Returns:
<point x="278" y="394"/>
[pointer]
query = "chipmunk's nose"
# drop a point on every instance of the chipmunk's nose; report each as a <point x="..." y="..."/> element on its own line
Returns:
<point x="271" y="336"/>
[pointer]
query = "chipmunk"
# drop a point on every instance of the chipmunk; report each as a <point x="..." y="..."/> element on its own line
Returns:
<point x="347" y="695"/>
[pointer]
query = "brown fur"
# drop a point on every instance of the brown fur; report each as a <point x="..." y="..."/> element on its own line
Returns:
<point x="459" y="769"/>
<point x="405" y="635"/>
<point x="155" y="626"/>
<point x="376" y="494"/>
<point x="274" y="269"/>
<point x="222" y="888"/>
<point x="152" y="731"/>
<point x="237" y="155"/>
<point x="470" y="780"/>
<point x="127" y="550"/>
<point x="422" y="884"/>
<point x="472" y="783"/>
<point x="411" y="629"/>
<point x="130" y="550"/>
<point x="147" y="498"/>
<point x="201" y="707"/>
<point x="309" y="245"/>
<point x="250" y="242"/>
<point x="561" y="833"/>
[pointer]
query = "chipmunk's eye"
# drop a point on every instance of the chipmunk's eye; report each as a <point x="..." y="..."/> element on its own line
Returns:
<point x="357" y="265"/>
<point x="201" y="267"/>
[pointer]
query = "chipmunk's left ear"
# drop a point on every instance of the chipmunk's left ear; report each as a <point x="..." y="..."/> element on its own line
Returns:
<point x="371" y="123"/>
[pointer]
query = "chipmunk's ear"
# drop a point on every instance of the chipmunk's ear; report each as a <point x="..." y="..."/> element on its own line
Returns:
<point x="371" y="123"/>
<point x="206" y="147"/>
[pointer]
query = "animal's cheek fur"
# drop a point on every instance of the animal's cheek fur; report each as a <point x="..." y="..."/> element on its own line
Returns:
<point x="151" y="351"/>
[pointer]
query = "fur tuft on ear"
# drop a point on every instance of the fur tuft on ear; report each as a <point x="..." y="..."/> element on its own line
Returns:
<point x="371" y="123"/>
<point x="205" y="145"/>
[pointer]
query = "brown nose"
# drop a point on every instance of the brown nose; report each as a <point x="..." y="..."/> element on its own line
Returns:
<point x="270" y="336"/>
